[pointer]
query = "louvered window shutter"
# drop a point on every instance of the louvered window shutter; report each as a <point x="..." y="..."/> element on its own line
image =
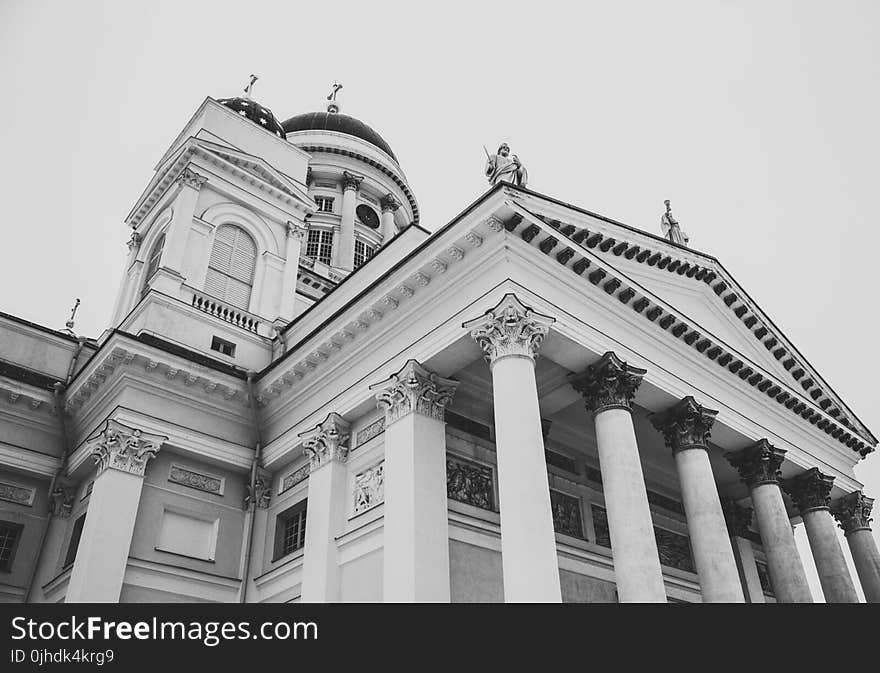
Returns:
<point x="153" y="261"/>
<point x="230" y="274"/>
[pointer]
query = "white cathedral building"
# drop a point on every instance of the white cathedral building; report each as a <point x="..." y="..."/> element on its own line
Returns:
<point x="303" y="395"/>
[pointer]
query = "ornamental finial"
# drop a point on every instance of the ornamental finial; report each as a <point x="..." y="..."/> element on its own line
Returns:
<point x="333" y="107"/>
<point x="69" y="324"/>
<point x="248" y="90"/>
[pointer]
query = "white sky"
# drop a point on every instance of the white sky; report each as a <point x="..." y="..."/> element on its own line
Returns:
<point x="757" y="119"/>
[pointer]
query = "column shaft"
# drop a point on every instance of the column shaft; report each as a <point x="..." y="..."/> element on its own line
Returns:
<point x="783" y="560"/>
<point x="416" y="530"/>
<point x="713" y="553"/>
<point x="325" y="513"/>
<point x="837" y="584"/>
<point x="346" y="228"/>
<point x="178" y="230"/>
<point x="637" y="569"/>
<point x="528" y="541"/>
<point x="102" y="555"/>
<point x="287" y="303"/>
<point x="867" y="561"/>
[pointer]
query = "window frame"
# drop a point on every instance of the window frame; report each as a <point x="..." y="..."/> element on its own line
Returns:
<point x="361" y="258"/>
<point x="298" y="511"/>
<point x="228" y="275"/>
<point x="18" y="528"/>
<point x="323" y="243"/>
<point x="74" y="541"/>
<point x="324" y="203"/>
<point x="155" y="254"/>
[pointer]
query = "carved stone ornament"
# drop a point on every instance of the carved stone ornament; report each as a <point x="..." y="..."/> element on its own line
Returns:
<point x="853" y="512"/>
<point x="327" y="441"/>
<point x="757" y="464"/>
<point x="296" y="231"/>
<point x="190" y="178"/>
<point x="414" y="389"/>
<point x="262" y="491"/>
<point x="351" y="181"/>
<point x="738" y="518"/>
<point x="509" y="330"/>
<point x="388" y="202"/>
<point x="134" y="241"/>
<point x="810" y="490"/>
<point x="610" y="383"/>
<point x="685" y="425"/>
<point x="120" y="447"/>
<point x="61" y="499"/>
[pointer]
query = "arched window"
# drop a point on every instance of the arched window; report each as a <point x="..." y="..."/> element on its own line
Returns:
<point x="231" y="268"/>
<point x="153" y="261"/>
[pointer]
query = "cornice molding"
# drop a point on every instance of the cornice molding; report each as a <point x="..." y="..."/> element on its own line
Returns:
<point x="583" y="251"/>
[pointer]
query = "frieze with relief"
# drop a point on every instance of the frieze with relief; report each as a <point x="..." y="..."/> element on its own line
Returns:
<point x="470" y="483"/>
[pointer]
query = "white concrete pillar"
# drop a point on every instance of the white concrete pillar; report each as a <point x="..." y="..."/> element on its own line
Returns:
<point x="389" y="207"/>
<point x="510" y="336"/>
<point x="853" y="513"/>
<point x="122" y="454"/>
<point x="811" y="493"/>
<point x="608" y="388"/>
<point x="351" y="183"/>
<point x="120" y="305"/>
<point x="295" y="235"/>
<point x="327" y="448"/>
<point x="416" y="530"/>
<point x="686" y="426"/>
<point x="758" y="466"/>
<point x="738" y="521"/>
<point x="177" y="233"/>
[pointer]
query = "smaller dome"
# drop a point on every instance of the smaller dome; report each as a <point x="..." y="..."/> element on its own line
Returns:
<point x="259" y="115"/>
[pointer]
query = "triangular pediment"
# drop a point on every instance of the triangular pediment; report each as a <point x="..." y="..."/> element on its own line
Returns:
<point x="691" y="296"/>
<point x="707" y="311"/>
<point x="256" y="167"/>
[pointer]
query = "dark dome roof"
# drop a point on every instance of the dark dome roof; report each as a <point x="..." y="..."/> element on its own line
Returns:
<point x="333" y="121"/>
<point x="259" y="115"/>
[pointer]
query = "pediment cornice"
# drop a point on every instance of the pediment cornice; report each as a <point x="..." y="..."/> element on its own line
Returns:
<point x="253" y="170"/>
<point x="590" y="254"/>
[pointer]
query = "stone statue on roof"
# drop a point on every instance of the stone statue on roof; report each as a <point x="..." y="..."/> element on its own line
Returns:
<point x="671" y="230"/>
<point x="505" y="166"/>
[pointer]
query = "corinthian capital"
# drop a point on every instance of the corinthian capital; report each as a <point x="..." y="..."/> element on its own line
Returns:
<point x="610" y="383"/>
<point x="388" y="202"/>
<point x="351" y="181"/>
<point x="810" y="490"/>
<point x="327" y="441"/>
<point x="190" y="178"/>
<point x="414" y="389"/>
<point x="296" y="231"/>
<point x="120" y="447"/>
<point x="757" y="464"/>
<point x="509" y="330"/>
<point x="685" y="425"/>
<point x="853" y="512"/>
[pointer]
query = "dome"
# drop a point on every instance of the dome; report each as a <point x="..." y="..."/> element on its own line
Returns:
<point x="334" y="121"/>
<point x="259" y="115"/>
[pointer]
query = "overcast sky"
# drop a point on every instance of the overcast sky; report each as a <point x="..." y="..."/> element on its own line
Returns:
<point x="757" y="119"/>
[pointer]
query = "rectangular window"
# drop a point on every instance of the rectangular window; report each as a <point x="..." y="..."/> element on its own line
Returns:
<point x="223" y="346"/>
<point x="325" y="204"/>
<point x="74" y="540"/>
<point x="319" y="245"/>
<point x="290" y="530"/>
<point x="362" y="252"/>
<point x="10" y="534"/>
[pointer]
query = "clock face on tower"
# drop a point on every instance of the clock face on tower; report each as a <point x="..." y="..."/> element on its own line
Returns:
<point x="368" y="216"/>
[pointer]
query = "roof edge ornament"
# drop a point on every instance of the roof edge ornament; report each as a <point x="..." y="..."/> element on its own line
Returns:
<point x="333" y="105"/>
<point x="669" y="226"/>
<point x="249" y="89"/>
